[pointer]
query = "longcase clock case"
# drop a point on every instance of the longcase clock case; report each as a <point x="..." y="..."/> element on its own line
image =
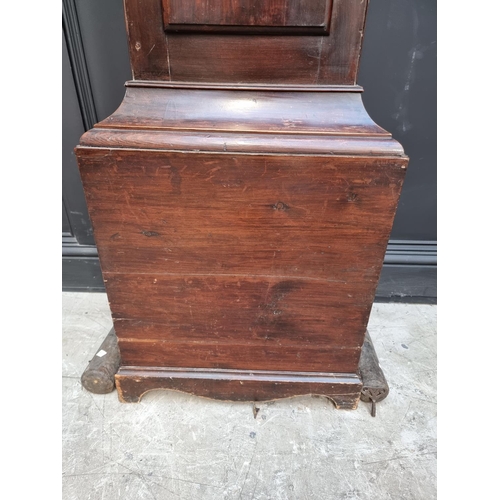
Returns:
<point x="242" y="200"/>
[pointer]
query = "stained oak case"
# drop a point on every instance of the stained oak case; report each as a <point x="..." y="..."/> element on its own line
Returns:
<point x="242" y="200"/>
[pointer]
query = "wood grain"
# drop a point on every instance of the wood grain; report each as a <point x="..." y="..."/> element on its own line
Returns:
<point x="278" y="216"/>
<point x="99" y="376"/>
<point x="242" y="200"/>
<point x="270" y="312"/>
<point x="242" y="356"/>
<point x="292" y="16"/>
<point x="278" y="254"/>
<point x="234" y="58"/>
<point x="239" y="385"/>
<point x="243" y="121"/>
<point x="249" y="143"/>
<point x="244" y="111"/>
<point x="238" y="56"/>
<point x="148" y="47"/>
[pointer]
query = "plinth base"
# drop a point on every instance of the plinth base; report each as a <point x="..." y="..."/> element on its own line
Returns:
<point x="343" y="389"/>
<point x="239" y="385"/>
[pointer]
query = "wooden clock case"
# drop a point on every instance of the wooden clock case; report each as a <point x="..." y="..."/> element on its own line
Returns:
<point x="242" y="200"/>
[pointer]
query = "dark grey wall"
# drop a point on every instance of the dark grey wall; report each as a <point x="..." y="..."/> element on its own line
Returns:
<point x="76" y="224"/>
<point x="398" y="73"/>
<point x="104" y="38"/>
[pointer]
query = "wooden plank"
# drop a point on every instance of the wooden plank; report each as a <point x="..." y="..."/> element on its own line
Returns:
<point x="235" y="143"/>
<point x="238" y="385"/>
<point x="243" y="58"/>
<point x="247" y="13"/>
<point x="244" y="111"/>
<point x="245" y="357"/>
<point x="147" y="42"/>
<point x="239" y="310"/>
<point x="222" y="252"/>
<point x="316" y="218"/>
<point x="275" y="16"/>
<point x="235" y="58"/>
<point x="339" y="60"/>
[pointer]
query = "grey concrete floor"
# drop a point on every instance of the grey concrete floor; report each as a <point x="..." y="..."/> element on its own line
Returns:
<point x="175" y="446"/>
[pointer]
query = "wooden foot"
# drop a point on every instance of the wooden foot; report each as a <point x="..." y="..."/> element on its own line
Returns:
<point x="239" y="385"/>
<point x="375" y="387"/>
<point x="99" y="376"/>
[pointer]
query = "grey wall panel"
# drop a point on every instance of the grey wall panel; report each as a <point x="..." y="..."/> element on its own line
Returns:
<point x="82" y="274"/>
<point x="102" y="26"/>
<point x="400" y="283"/>
<point x="72" y="190"/>
<point x="398" y="72"/>
<point x="66" y="226"/>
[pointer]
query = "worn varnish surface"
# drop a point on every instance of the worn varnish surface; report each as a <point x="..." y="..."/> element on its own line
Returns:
<point x="242" y="355"/>
<point x="292" y="16"/>
<point x="239" y="385"/>
<point x="246" y="121"/>
<point x="242" y="200"/>
<point x="244" y="111"/>
<point x="247" y="53"/>
<point x="236" y="142"/>
<point x="220" y="254"/>
<point x="304" y="217"/>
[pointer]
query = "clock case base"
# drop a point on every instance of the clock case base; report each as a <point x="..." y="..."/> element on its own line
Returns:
<point x="166" y="122"/>
<point x="344" y="390"/>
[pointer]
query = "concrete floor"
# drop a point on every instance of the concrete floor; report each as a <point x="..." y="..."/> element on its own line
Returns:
<point x="174" y="446"/>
